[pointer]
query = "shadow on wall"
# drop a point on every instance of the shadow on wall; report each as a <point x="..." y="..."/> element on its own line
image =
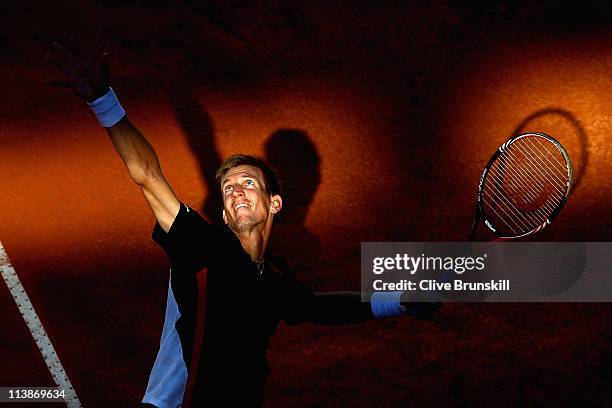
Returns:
<point x="296" y="159"/>
<point x="199" y="130"/>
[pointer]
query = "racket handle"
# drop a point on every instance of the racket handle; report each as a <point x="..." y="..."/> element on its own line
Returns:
<point x="472" y="237"/>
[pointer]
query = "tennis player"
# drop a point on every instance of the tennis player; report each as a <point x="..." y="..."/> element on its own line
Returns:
<point x="227" y="292"/>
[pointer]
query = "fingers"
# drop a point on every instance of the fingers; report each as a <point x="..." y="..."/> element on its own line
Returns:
<point x="60" y="57"/>
<point x="59" y="64"/>
<point x="88" y="78"/>
<point x="65" y="56"/>
<point x="61" y="51"/>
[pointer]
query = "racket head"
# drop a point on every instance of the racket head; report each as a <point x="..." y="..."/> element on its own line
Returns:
<point x="524" y="185"/>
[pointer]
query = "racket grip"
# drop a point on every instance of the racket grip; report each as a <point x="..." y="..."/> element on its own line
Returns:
<point x="475" y="223"/>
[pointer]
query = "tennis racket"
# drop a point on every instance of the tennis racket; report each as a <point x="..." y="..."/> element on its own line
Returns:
<point x="523" y="186"/>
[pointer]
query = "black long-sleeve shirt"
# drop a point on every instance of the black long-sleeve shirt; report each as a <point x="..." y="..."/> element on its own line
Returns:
<point x="243" y="308"/>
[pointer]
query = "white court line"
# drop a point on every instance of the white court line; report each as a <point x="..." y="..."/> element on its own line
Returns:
<point x="37" y="330"/>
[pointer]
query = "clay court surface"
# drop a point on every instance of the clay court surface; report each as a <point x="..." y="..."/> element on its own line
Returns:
<point x="379" y="119"/>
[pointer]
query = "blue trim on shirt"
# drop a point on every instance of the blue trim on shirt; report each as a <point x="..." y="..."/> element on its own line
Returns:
<point x="168" y="377"/>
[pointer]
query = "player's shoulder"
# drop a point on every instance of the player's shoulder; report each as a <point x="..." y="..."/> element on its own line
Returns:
<point x="198" y="223"/>
<point x="188" y="224"/>
<point x="188" y="214"/>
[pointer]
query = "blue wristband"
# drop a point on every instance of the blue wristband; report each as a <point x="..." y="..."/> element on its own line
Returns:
<point x="387" y="304"/>
<point x="108" y="109"/>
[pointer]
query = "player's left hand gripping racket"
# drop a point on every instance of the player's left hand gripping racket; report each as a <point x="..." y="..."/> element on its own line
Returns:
<point x="523" y="186"/>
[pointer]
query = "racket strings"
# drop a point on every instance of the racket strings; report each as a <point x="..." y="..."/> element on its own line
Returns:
<point x="557" y="182"/>
<point x="525" y="195"/>
<point x="538" y="182"/>
<point x="499" y="203"/>
<point x="503" y="218"/>
<point x="520" y="184"/>
<point x="538" y="174"/>
<point x="534" y="156"/>
<point x="520" y="219"/>
<point x="525" y="184"/>
<point x="561" y="167"/>
<point x="505" y="211"/>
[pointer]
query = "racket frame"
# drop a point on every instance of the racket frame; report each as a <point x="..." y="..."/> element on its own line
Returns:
<point x="480" y="212"/>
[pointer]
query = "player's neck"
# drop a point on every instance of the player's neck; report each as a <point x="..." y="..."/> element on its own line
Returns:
<point x="255" y="241"/>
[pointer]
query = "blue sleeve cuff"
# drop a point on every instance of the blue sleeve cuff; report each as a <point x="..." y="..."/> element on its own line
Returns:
<point x="107" y="108"/>
<point x="387" y="304"/>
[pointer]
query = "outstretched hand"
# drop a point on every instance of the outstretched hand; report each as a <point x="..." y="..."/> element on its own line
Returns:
<point x="89" y="79"/>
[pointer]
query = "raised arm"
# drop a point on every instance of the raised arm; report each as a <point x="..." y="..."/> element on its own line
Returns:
<point x="144" y="168"/>
<point x="90" y="80"/>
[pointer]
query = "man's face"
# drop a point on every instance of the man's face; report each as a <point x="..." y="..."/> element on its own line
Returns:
<point x="246" y="203"/>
